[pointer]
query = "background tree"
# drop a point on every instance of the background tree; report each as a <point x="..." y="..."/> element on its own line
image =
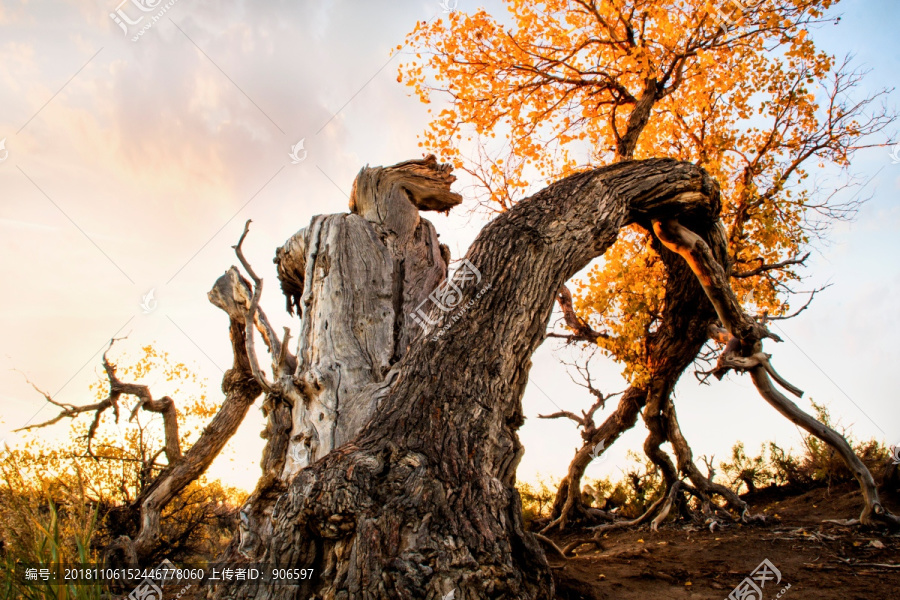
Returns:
<point x="112" y="460"/>
<point x="746" y="95"/>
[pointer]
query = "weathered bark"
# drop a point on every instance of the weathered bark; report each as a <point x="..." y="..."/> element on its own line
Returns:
<point x="355" y="280"/>
<point x="240" y="392"/>
<point x="362" y="276"/>
<point x="671" y="349"/>
<point x="422" y="501"/>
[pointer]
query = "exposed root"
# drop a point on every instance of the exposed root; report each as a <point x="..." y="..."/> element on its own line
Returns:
<point x="660" y="508"/>
<point x="664" y="427"/>
<point x="708" y="515"/>
<point x="551" y="544"/>
<point x="666" y="507"/>
<point x="843" y="522"/>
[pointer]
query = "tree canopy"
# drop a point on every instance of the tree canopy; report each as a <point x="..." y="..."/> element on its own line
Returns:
<point x="561" y="86"/>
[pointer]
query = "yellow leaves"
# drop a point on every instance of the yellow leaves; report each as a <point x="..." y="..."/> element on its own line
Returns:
<point x="623" y="297"/>
<point x="550" y="89"/>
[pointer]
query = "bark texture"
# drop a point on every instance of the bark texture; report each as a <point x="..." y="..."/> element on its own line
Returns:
<point x="358" y="280"/>
<point x="355" y="280"/>
<point x="422" y="500"/>
<point x="671" y="349"/>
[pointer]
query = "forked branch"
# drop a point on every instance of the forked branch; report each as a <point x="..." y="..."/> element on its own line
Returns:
<point x="581" y="328"/>
<point x="800" y="260"/>
<point x="283" y="361"/>
<point x="164" y="406"/>
<point x="743" y="352"/>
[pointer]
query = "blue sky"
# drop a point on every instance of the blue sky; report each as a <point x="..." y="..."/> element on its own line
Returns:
<point x="133" y="165"/>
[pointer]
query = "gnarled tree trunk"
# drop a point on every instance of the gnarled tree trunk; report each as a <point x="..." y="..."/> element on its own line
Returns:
<point x="422" y="500"/>
<point x="671" y="349"/>
<point x="356" y="281"/>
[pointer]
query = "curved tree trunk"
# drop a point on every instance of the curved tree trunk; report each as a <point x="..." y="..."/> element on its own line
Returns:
<point x="686" y="316"/>
<point x="568" y="506"/>
<point x="743" y="352"/>
<point x="422" y="500"/>
<point x="686" y="465"/>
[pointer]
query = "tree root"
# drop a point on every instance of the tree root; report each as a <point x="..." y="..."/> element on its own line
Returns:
<point x="678" y="494"/>
<point x="662" y="422"/>
<point x="550" y="544"/>
<point x="656" y="514"/>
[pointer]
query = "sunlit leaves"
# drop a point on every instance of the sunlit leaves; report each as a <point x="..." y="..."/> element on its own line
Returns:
<point x="551" y="88"/>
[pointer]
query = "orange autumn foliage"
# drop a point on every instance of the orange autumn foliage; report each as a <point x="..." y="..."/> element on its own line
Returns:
<point x="558" y="86"/>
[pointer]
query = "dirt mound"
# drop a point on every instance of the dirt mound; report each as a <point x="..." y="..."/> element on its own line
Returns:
<point x="815" y="559"/>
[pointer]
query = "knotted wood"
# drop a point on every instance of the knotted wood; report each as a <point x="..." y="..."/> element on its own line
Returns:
<point x="422" y="500"/>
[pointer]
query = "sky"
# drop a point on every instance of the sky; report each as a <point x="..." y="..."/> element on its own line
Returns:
<point x="131" y="166"/>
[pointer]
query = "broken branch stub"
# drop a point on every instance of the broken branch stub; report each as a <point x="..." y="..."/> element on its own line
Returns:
<point x="232" y="294"/>
<point x="355" y="281"/>
<point x="425" y="184"/>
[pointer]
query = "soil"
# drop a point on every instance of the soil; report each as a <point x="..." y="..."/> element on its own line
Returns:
<point x="817" y="560"/>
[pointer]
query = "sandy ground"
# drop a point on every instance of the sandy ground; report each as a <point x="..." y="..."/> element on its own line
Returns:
<point x="818" y="560"/>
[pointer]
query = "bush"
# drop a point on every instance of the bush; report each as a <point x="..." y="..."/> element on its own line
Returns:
<point x="818" y="464"/>
<point x="630" y="496"/>
<point x="46" y="523"/>
<point x="537" y="499"/>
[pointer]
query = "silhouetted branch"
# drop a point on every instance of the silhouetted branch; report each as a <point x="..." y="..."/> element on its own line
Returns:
<point x="774" y="266"/>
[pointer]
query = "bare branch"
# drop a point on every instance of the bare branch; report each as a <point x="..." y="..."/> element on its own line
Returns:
<point x="564" y="413"/>
<point x="774" y="266"/>
<point x="250" y="319"/>
<point x="165" y="406"/>
<point x="69" y="410"/>
<point x="583" y="331"/>
<point x="812" y="295"/>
